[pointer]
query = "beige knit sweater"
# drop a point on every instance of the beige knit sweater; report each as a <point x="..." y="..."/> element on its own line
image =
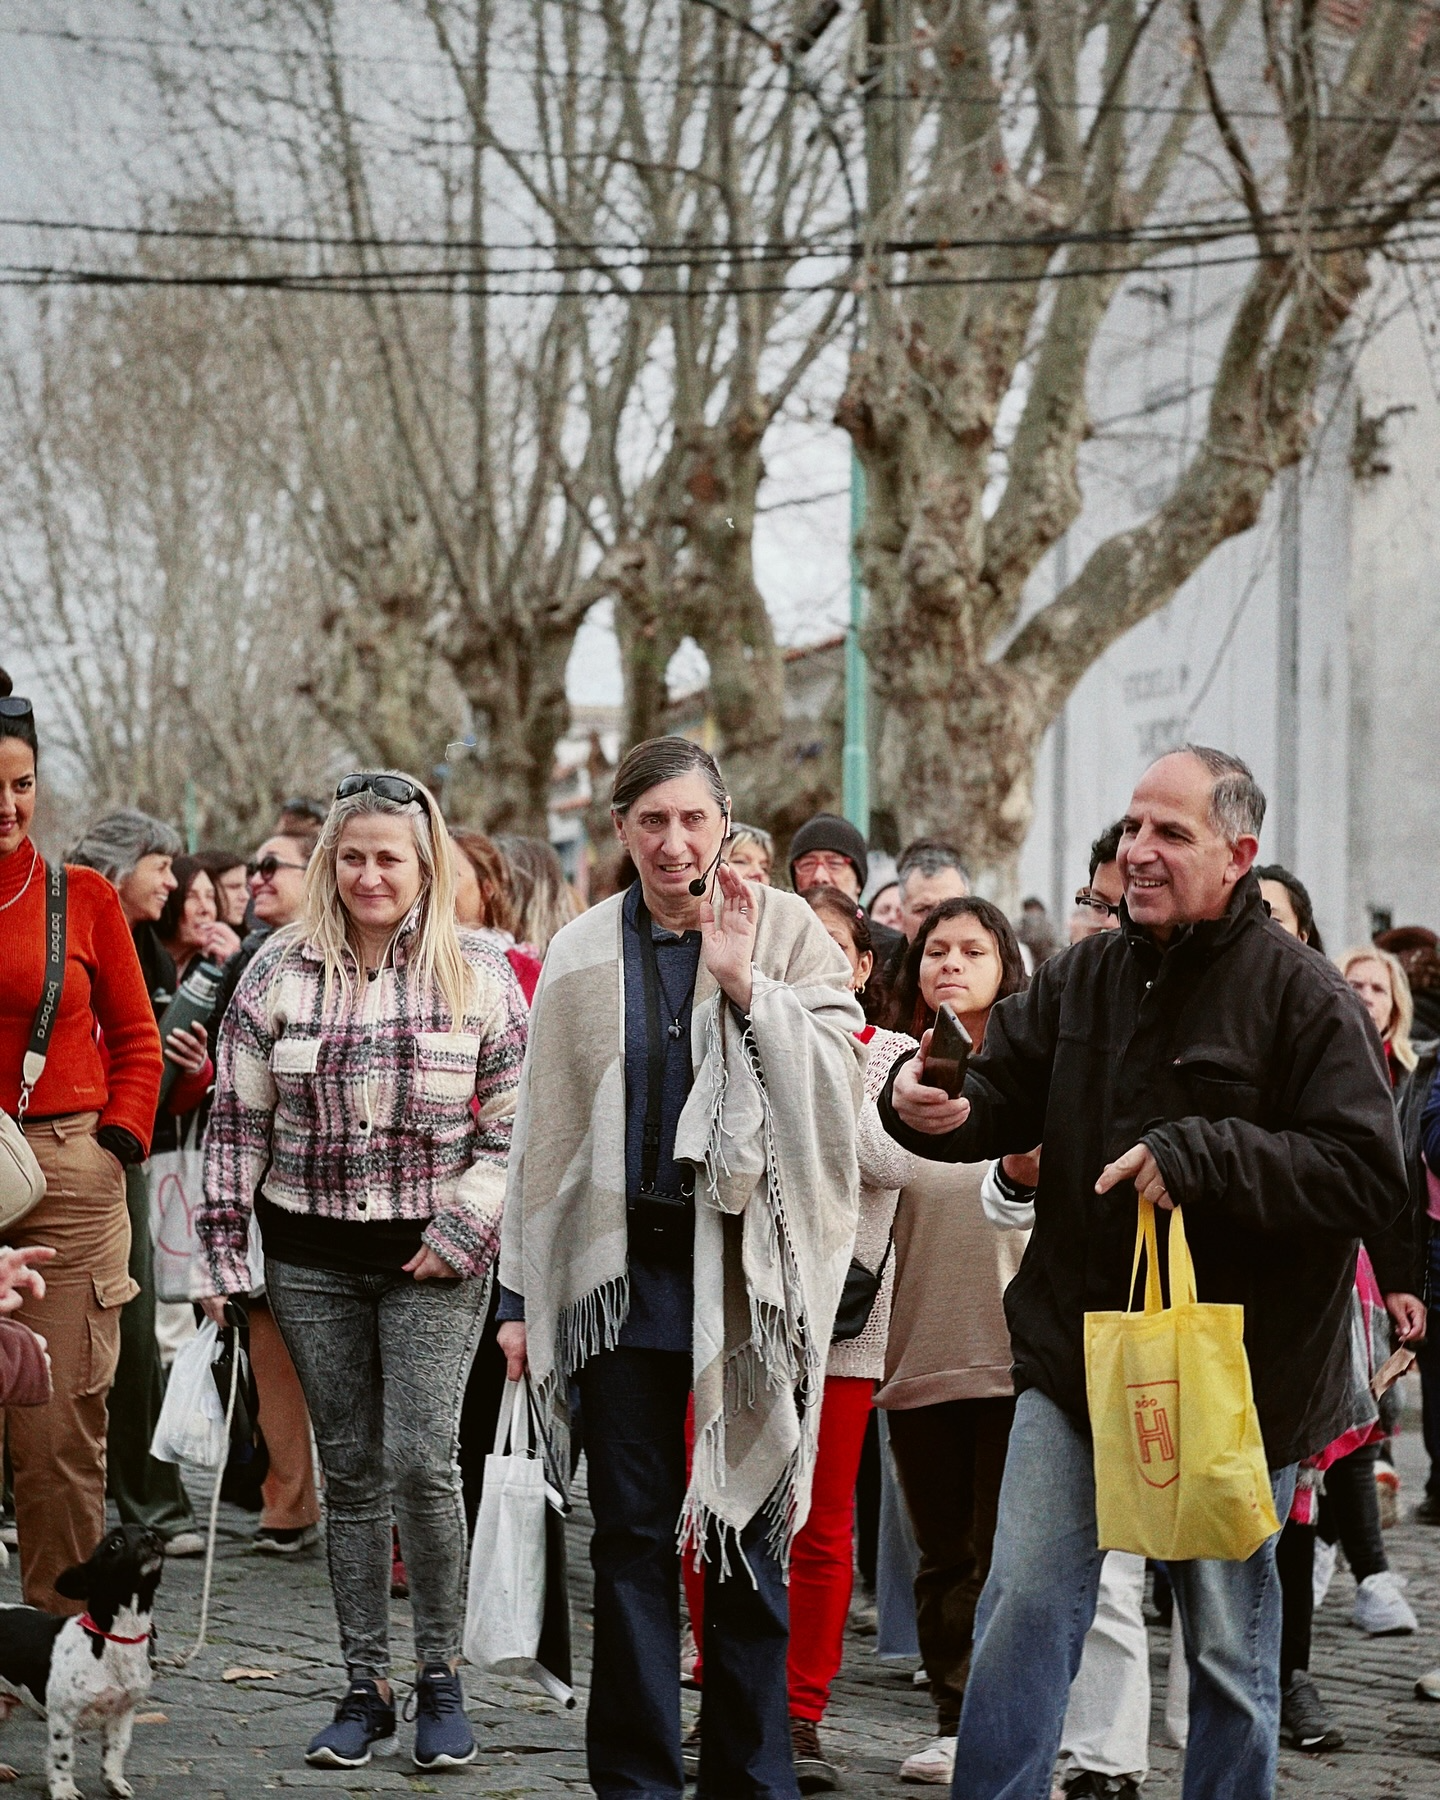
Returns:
<point x="884" y="1170"/>
<point x="948" y="1337"/>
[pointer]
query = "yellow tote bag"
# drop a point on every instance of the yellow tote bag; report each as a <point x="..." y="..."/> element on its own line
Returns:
<point x="1179" y="1462"/>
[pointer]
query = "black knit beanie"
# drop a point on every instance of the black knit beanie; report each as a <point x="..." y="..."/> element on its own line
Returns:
<point x="828" y="831"/>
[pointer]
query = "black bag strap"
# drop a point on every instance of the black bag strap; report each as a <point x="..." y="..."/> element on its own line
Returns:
<point x="33" y="1067"/>
<point x="656" y="1040"/>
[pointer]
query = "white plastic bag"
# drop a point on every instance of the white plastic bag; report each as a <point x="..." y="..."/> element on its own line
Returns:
<point x="191" y="1426"/>
<point x="509" y="1629"/>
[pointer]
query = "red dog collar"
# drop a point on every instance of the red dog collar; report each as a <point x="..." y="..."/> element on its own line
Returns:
<point x="86" y="1623"/>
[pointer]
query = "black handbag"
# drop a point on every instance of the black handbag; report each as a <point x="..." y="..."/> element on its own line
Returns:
<point x="857" y="1297"/>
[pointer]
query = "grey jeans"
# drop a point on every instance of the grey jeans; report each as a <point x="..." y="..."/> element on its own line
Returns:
<point x="383" y="1361"/>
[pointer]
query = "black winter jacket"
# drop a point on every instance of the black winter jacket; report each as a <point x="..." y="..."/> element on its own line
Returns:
<point x="1250" y="1069"/>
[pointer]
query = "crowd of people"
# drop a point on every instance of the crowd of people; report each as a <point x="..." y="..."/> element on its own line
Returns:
<point x="672" y="1158"/>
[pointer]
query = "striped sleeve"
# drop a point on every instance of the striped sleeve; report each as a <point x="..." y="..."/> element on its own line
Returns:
<point x="237" y="1144"/>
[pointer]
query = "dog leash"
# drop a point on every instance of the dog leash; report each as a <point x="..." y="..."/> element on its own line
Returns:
<point x="187" y="1657"/>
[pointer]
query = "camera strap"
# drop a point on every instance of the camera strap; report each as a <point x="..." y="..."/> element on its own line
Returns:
<point x="657" y="1038"/>
<point x="36" y="1051"/>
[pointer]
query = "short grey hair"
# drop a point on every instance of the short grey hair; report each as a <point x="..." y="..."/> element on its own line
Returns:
<point x="1237" y="801"/>
<point x="116" y="844"/>
<point x="929" y="856"/>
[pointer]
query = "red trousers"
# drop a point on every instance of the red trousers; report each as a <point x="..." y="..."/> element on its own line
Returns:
<point x="822" y="1560"/>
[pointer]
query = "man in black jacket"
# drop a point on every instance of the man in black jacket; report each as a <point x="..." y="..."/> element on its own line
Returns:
<point x="1202" y="1058"/>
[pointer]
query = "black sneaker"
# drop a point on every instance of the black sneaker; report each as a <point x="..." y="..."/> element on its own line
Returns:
<point x="1303" y="1725"/>
<point x="283" y="1540"/>
<point x="812" y="1772"/>
<point x="443" y="1738"/>
<point x="1428" y="1511"/>
<point x="364" y="1725"/>
<point x="1088" y="1784"/>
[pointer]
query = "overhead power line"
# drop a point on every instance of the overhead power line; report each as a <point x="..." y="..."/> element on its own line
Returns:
<point x="1165" y="233"/>
<point x="458" y="283"/>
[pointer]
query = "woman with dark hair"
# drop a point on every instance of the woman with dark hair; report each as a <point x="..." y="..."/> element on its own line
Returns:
<point x="677" y="1222"/>
<point x="947" y="1393"/>
<point x="190" y="926"/>
<point x="226" y="868"/>
<point x="1288" y="901"/>
<point x="87" y="1117"/>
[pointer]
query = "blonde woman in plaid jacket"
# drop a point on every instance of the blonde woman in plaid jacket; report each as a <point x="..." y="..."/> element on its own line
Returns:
<point x="366" y="1082"/>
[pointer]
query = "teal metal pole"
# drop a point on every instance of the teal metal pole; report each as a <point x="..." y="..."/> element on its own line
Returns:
<point x="855" y="764"/>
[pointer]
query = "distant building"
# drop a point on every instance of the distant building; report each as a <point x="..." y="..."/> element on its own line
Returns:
<point x="1310" y="647"/>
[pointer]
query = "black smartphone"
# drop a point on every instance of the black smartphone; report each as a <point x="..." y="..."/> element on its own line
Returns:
<point x="950" y="1047"/>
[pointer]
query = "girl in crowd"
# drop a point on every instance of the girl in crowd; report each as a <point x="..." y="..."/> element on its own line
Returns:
<point x="822" y="1561"/>
<point x="1289" y="901"/>
<point x="483" y="901"/>
<point x="87" y="1118"/>
<point x="539" y="893"/>
<point x="885" y="907"/>
<point x="368" y="1069"/>
<point x="750" y="851"/>
<point x="947" y="1389"/>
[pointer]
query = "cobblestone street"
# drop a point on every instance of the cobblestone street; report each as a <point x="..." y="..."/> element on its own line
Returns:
<point x="207" y="1732"/>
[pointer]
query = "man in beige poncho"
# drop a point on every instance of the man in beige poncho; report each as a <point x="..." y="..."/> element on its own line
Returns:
<point x="680" y="1214"/>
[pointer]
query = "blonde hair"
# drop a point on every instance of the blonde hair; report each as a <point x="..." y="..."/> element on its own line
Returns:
<point x="1402" y="1004"/>
<point x="435" y="960"/>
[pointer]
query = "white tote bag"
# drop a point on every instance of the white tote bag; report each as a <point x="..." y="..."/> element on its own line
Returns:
<point x="176" y="1183"/>
<point x="191" y="1426"/>
<point x="505" y="1607"/>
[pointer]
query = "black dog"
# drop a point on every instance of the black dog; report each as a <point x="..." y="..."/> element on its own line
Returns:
<point x="90" y="1670"/>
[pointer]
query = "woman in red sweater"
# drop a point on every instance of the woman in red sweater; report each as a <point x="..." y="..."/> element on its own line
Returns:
<point x="85" y="1122"/>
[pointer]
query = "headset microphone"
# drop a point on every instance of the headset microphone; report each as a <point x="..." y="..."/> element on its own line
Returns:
<point x="702" y="882"/>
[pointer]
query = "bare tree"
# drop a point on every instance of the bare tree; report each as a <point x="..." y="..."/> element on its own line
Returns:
<point x="169" y="603"/>
<point x="1023" y="162"/>
<point x="736" y="181"/>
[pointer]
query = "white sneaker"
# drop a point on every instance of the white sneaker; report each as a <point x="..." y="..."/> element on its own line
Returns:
<point x="185" y="1543"/>
<point x="1326" y="1557"/>
<point x="1380" y="1607"/>
<point x="934" y="1765"/>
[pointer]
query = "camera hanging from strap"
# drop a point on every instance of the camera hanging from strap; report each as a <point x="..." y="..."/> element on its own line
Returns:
<point x="662" y="1223"/>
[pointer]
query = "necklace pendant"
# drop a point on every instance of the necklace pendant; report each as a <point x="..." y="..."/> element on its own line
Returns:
<point x="674" y="1028"/>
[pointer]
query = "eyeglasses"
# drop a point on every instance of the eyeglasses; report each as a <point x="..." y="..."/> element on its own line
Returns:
<point x="386" y="787"/>
<point x="265" y="869"/>
<point x="1088" y="897"/>
<point x="15" y="706"/>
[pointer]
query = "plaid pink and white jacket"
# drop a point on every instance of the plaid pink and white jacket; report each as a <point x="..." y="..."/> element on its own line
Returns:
<point x="382" y="1109"/>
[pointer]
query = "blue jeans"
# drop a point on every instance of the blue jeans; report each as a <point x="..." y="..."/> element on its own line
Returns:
<point x="634" y="1405"/>
<point x="1039" y="1602"/>
<point x="1428" y="1359"/>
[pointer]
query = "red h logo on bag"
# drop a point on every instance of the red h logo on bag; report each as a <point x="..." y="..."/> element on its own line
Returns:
<point x="1153" y="1409"/>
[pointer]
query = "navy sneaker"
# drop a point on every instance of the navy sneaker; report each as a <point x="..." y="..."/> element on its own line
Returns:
<point x="364" y="1725"/>
<point x="443" y="1739"/>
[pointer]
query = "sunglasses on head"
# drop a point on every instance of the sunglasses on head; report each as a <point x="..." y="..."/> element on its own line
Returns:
<point x="266" y="867"/>
<point x="15" y="706"/>
<point x="386" y="787"/>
